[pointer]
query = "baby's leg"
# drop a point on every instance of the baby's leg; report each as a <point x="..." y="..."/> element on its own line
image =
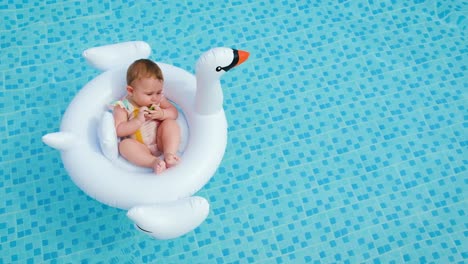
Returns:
<point x="168" y="140"/>
<point x="138" y="154"/>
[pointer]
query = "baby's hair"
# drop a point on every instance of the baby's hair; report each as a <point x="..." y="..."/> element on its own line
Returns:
<point x="143" y="68"/>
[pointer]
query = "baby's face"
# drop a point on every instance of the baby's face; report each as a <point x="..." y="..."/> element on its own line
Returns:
<point x="146" y="91"/>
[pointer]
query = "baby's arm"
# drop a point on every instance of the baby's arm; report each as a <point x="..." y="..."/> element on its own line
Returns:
<point x="125" y="127"/>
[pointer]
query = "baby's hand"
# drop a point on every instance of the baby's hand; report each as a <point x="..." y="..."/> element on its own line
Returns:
<point x="155" y="112"/>
<point x="142" y="114"/>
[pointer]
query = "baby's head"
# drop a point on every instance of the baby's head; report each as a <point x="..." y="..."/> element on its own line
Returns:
<point x="143" y="68"/>
<point x="144" y="82"/>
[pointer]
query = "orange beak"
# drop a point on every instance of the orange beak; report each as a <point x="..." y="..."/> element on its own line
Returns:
<point x="243" y="56"/>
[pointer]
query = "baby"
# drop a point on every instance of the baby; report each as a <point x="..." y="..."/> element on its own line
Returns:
<point x="145" y="119"/>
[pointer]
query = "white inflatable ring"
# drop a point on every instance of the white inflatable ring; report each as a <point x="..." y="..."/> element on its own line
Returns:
<point x="159" y="204"/>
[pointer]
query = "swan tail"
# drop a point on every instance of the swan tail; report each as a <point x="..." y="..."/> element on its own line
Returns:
<point x="59" y="140"/>
<point x="172" y="219"/>
<point x="115" y="55"/>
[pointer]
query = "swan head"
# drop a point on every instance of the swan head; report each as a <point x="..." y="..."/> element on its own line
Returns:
<point x="209" y="68"/>
<point x="218" y="61"/>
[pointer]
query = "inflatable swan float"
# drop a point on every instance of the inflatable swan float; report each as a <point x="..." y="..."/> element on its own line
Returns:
<point x="160" y="205"/>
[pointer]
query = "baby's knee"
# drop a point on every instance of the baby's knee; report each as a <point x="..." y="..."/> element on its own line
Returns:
<point x="169" y="124"/>
<point x="125" y="143"/>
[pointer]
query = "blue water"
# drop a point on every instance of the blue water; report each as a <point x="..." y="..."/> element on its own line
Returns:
<point x="347" y="131"/>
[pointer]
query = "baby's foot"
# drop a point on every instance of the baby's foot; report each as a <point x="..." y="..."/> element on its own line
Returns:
<point x="159" y="166"/>
<point x="171" y="159"/>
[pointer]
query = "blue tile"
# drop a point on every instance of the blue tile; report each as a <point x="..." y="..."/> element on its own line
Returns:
<point x="347" y="131"/>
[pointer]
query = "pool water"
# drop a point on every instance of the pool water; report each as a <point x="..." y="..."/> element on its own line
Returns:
<point x="347" y="131"/>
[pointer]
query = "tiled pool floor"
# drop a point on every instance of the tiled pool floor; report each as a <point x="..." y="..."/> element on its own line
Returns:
<point x="347" y="138"/>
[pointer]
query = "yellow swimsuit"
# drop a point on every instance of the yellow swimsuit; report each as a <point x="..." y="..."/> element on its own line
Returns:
<point x="146" y="134"/>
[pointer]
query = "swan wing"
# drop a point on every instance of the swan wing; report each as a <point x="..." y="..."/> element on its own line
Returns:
<point x="116" y="55"/>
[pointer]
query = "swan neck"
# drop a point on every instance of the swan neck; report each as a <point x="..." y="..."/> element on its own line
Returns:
<point x="209" y="96"/>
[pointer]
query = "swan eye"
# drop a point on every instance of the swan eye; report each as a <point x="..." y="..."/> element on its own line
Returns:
<point x="234" y="62"/>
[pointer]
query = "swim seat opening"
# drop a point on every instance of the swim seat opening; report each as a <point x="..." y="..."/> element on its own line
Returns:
<point x="108" y="141"/>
